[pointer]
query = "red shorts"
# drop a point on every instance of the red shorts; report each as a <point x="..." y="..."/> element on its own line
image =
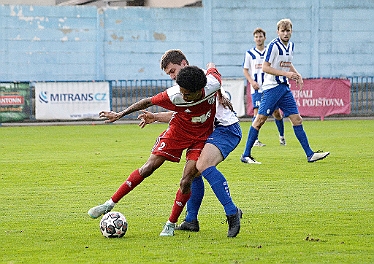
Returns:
<point x="172" y="148"/>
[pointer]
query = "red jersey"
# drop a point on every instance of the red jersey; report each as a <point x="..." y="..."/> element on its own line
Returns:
<point x="191" y="120"/>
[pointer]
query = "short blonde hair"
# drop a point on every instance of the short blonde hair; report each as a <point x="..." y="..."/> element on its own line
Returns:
<point x="284" y="23"/>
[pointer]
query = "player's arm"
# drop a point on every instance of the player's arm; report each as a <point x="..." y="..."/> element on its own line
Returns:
<point x="249" y="78"/>
<point x="267" y="68"/>
<point x="148" y="117"/>
<point x="299" y="79"/>
<point x="114" y="116"/>
<point x="223" y="100"/>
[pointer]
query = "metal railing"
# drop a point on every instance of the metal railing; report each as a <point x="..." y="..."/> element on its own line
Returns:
<point x="126" y="92"/>
<point x="362" y="95"/>
<point x="123" y="93"/>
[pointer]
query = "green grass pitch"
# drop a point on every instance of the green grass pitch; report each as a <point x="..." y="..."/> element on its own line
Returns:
<point x="294" y="211"/>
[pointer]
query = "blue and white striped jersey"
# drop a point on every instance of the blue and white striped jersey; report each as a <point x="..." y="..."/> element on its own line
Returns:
<point x="280" y="57"/>
<point x="253" y="62"/>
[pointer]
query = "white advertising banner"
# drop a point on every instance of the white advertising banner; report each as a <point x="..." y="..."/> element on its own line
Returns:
<point x="235" y="91"/>
<point x="71" y="100"/>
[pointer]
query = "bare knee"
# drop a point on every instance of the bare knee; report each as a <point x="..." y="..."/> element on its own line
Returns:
<point x="277" y="115"/>
<point x="259" y="121"/>
<point x="296" y="119"/>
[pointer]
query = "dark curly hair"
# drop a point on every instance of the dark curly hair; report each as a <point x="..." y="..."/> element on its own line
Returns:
<point x="191" y="78"/>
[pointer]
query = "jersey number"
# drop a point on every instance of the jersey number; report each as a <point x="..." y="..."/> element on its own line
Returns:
<point x="162" y="145"/>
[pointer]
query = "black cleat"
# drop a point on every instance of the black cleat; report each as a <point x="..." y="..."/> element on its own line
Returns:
<point x="189" y="226"/>
<point x="234" y="223"/>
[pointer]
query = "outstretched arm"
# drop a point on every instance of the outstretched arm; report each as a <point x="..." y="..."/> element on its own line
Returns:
<point x="149" y="117"/>
<point x="114" y="116"/>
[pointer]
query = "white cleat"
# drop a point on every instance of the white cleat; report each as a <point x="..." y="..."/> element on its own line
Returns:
<point x="168" y="230"/>
<point x="249" y="160"/>
<point x="318" y="156"/>
<point x="258" y="143"/>
<point x="101" y="209"/>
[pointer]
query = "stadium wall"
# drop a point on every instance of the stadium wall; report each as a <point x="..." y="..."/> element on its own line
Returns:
<point x="38" y="43"/>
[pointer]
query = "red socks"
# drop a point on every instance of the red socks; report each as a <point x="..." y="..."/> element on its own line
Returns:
<point x="132" y="181"/>
<point x="135" y="178"/>
<point x="179" y="203"/>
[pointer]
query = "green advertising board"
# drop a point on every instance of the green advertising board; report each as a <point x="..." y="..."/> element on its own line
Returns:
<point x="14" y="102"/>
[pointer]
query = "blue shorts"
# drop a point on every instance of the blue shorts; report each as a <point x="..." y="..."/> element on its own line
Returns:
<point x="256" y="99"/>
<point x="226" y="138"/>
<point x="278" y="97"/>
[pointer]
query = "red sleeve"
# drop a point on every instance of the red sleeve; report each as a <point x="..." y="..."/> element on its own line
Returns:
<point x="215" y="73"/>
<point x="162" y="99"/>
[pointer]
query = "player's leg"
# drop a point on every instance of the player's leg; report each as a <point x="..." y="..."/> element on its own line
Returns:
<point x="134" y="179"/>
<point x="289" y="107"/>
<point x="256" y="101"/>
<point x="181" y="197"/>
<point x="268" y="104"/>
<point x="220" y="144"/>
<point x="252" y="136"/>
<point x="215" y="150"/>
<point x="191" y="222"/>
<point x="280" y="125"/>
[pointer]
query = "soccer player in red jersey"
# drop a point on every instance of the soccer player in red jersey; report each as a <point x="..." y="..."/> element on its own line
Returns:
<point x="194" y="102"/>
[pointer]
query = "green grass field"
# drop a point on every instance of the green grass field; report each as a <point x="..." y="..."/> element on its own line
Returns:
<point x="294" y="211"/>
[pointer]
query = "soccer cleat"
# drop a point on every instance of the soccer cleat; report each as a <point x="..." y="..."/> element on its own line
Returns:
<point x="96" y="211"/>
<point x="168" y="229"/>
<point x="318" y="155"/>
<point x="258" y="144"/>
<point x="249" y="160"/>
<point x="234" y="223"/>
<point x="282" y="141"/>
<point x="192" y="226"/>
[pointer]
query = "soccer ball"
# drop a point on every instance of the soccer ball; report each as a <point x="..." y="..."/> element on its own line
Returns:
<point x="113" y="224"/>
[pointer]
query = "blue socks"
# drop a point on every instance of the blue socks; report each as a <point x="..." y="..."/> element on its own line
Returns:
<point x="219" y="186"/>
<point x="280" y="126"/>
<point x="193" y="204"/>
<point x="303" y="139"/>
<point x="221" y="189"/>
<point x="252" y="136"/>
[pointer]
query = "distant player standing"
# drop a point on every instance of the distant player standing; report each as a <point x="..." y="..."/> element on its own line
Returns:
<point x="252" y="70"/>
<point x="278" y="69"/>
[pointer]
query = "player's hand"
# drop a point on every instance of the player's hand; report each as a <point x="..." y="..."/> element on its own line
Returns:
<point x="146" y="118"/>
<point x="225" y="102"/>
<point x="292" y="75"/>
<point x="111" y="116"/>
<point x="255" y="85"/>
<point x="210" y="65"/>
<point x="300" y="82"/>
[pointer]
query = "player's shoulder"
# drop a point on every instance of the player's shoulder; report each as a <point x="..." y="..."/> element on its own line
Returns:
<point x="251" y="53"/>
<point x="274" y="41"/>
<point x="175" y="95"/>
<point x="251" y="50"/>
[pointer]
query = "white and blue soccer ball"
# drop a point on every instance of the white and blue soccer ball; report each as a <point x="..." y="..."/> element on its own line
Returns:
<point x="113" y="225"/>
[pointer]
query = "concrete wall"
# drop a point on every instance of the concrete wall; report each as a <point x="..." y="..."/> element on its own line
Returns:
<point x="27" y="2"/>
<point x="333" y="38"/>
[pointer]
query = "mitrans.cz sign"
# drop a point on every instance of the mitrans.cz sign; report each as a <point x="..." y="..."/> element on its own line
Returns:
<point x="71" y="100"/>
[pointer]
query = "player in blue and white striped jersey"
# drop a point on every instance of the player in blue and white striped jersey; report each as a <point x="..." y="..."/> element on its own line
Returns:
<point x="252" y="70"/>
<point x="278" y="69"/>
